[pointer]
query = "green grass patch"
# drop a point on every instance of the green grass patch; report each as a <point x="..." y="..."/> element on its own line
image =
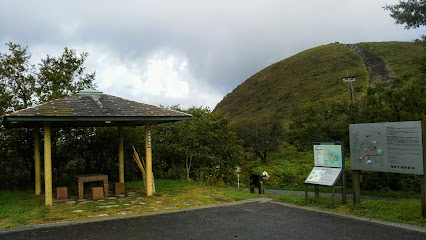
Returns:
<point x="19" y="208"/>
<point x="402" y="211"/>
<point x="382" y="193"/>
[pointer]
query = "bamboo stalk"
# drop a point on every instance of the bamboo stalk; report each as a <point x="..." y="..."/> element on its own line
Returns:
<point x="137" y="156"/>
<point x="139" y="164"/>
<point x="138" y="161"/>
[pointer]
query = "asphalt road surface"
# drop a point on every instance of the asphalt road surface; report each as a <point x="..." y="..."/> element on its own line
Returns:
<point x="257" y="220"/>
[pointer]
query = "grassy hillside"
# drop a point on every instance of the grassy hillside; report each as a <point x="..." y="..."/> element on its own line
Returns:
<point x="400" y="56"/>
<point x="309" y="76"/>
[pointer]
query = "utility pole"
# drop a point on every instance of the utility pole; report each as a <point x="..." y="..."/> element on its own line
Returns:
<point x="356" y="174"/>
<point x="350" y="80"/>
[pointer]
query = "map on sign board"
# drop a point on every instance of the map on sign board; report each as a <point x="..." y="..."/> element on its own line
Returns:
<point x="323" y="176"/>
<point x="328" y="154"/>
<point x="387" y="147"/>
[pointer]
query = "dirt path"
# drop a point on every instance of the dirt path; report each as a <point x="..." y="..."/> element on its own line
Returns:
<point x="378" y="69"/>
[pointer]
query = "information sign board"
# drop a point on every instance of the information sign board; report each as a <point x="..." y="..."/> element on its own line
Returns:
<point x="323" y="176"/>
<point x="387" y="147"/>
<point x="328" y="154"/>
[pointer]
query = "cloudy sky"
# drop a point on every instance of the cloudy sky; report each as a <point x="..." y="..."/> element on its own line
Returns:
<point x="192" y="53"/>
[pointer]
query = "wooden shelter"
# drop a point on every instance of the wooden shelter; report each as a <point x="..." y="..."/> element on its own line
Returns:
<point x="89" y="108"/>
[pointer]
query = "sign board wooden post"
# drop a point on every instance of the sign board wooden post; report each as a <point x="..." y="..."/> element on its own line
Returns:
<point x="356" y="183"/>
<point x="329" y="166"/>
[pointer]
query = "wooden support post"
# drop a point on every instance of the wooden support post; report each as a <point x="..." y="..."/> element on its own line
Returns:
<point x="120" y="154"/>
<point x="306" y="190"/>
<point x="333" y="195"/>
<point x="148" y="157"/>
<point x="343" y="185"/>
<point x="356" y="189"/>
<point x="47" y="166"/>
<point x="316" y="191"/>
<point x="423" y="178"/>
<point x="423" y="193"/>
<point x="343" y="174"/>
<point x="37" y="162"/>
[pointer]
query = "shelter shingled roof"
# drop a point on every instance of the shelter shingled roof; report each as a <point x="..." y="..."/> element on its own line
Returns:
<point x="92" y="108"/>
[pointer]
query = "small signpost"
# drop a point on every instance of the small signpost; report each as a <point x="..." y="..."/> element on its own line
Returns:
<point x="329" y="166"/>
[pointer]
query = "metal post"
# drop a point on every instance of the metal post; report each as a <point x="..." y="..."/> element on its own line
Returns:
<point x="238" y="182"/>
<point x="350" y="80"/>
<point x="352" y="92"/>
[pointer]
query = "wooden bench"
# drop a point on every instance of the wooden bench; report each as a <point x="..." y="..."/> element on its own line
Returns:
<point x="79" y="180"/>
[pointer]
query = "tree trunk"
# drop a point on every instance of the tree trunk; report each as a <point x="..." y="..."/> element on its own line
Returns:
<point x="262" y="155"/>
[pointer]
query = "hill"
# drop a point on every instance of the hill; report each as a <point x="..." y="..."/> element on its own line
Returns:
<point x="316" y="74"/>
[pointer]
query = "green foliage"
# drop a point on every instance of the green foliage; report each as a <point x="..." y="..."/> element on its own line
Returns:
<point x="205" y="147"/>
<point x="62" y="76"/>
<point x="409" y="12"/>
<point x="23" y="85"/>
<point x="17" y="79"/>
<point x="287" y="168"/>
<point x="325" y="120"/>
<point x="259" y="136"/>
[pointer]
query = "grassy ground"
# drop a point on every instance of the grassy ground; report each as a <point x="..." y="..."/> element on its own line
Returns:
<point x="383" y="193"/>
<point x="18" y="208"/>
<point x="402" y="211"/>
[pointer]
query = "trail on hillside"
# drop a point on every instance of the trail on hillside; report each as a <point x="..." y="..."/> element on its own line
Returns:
<point x="378" y="69"/>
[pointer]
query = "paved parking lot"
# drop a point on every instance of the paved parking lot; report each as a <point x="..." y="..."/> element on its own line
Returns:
<point x="253" y="220"/>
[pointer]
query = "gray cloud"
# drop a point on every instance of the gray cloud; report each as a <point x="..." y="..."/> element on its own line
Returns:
<point x="222" y="42"/>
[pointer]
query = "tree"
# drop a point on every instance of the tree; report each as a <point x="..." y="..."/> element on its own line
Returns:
<point x="259" y="136"/>
<point x="202" y="146"/>
<point x="326" y="120"/>
<point x="62" y="76"/>
<point x="22" y="85"/>
<point x="410" y="12"/>
<point x="17" y="79"/>
<point x="208" y="139"/>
